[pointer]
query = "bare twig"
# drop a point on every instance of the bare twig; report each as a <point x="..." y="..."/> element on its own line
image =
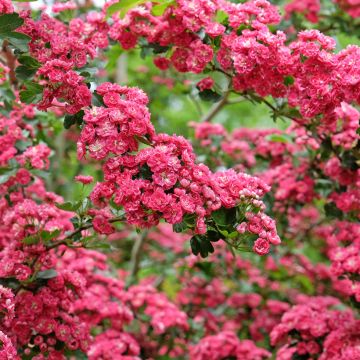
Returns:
<point x="136" y="254"/>
<point x="216" y="108"/>
<point x="78" y="230"/>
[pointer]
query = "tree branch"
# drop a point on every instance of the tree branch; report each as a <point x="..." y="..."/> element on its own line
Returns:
<point x="10" y="62"/>
<point x="136" y="255"/>
<point x="78" y="230"/>
<point x="216" y="108"/>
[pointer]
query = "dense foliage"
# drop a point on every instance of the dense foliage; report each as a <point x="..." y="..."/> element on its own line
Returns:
<point x="238" y="237"/>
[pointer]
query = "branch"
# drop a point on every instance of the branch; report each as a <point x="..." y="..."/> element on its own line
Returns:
<point x="136" y="255"/>
<point x="216" y="108"/>
<point x="10" y="62"/>
<point x="78" y="230"/>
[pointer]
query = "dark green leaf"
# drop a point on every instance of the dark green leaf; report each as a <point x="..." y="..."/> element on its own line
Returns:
<point x="224" y="217"/>
<point x="289" y="80"/>
<point x="332" y="211"/>
<point x="70" y="120"/>
<point x="32" y="94"/>
<point x="179" y="227"/>
<point x="195" y="245"/>
<point x="209" y="95"/>
<point x="10" y="22"/>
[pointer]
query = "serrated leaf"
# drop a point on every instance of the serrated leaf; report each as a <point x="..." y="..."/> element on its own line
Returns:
<point x="32" y="94"/>
<point x="10" y="22"/>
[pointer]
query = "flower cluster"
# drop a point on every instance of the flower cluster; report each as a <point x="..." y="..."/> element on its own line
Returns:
<point x="308" y="324"/>
<point x="226" y="344"/>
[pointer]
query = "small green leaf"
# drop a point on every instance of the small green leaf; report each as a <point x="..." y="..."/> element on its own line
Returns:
<point x="159" y="9"/>
<point x="282" y="138"/>
<point x="30" y="240"/>
<point x="68" y="206"/>
<point x="179" y="227"/>
<point x="289" y="80"/>
<point x="46" y="274"/>
<point x="70" y="120"/>
<point x="32" y="94"/>
<point x="195" y="245"/>
<point x="221" y="16"/>
<point x="123" y="6"/>
<point x="49" y="235"/>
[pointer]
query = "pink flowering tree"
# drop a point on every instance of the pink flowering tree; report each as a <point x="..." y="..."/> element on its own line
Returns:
<point x="180" y="179"/>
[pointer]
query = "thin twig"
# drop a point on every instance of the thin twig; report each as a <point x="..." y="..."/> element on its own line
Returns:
<point x="216" y="108"/>
<point x="78" y="230"/>
<point x="196" y="103"/>
<point x="136" y="254"/>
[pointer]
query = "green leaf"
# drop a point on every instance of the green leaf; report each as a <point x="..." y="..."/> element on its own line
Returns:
<point x="195" y="245"/>
<point x="159" y="9"/>
<point x="289" y="80"/>
<point x="32" y="94"/>
<point x="49" y="235"/>
<point x="123" y="6"/>
<point x="18" y="40"/>
<point x="30" y="240"/>
<point x="224" y="217"/>
<point x="221" y="16"/>
<point x="10" y="22"/>
<point x="179" y="227"/>
<point x="209" y="95"/>
<point x="282" y="138"/>
<point x="332" y="211"/>
<point x="6" y="174"/>
<point x="70" y="120"/>
<point x="68" y="206"/>
<point x="200" y="244"/>
<point x="46" y="274"/>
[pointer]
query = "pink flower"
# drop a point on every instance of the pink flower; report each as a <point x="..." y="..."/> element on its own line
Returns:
<point x="84" y="179"/>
